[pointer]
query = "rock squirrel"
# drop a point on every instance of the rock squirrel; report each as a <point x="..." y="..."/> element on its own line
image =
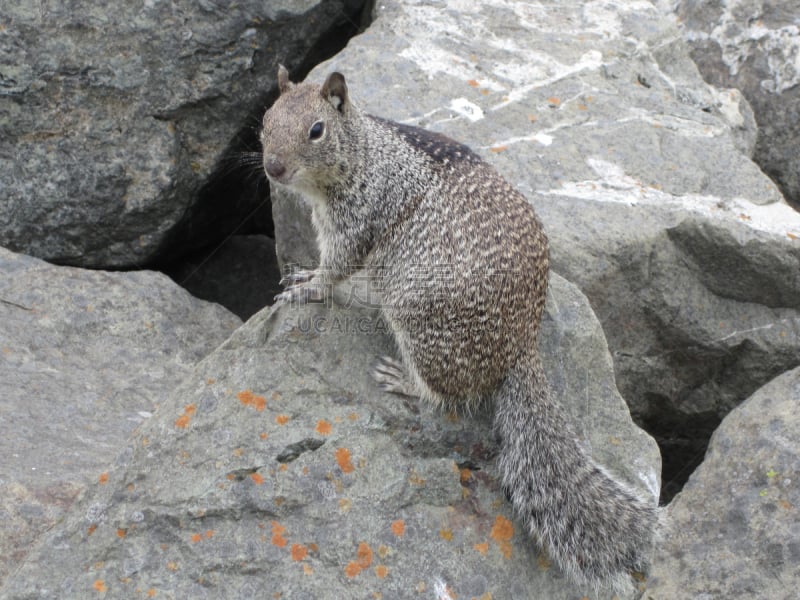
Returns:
<point x="461" y="263"/>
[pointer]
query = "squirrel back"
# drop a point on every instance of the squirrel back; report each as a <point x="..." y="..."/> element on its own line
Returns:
<point x="460" y="262"/>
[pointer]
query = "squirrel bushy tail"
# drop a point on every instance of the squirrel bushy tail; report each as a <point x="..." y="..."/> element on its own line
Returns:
<point x="595" y="528"/>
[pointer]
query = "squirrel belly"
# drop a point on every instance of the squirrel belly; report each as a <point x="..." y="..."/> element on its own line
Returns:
<point x="461" y="263"/>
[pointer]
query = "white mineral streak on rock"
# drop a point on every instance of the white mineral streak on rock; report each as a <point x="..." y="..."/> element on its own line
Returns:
<point x="468" y="109"/>
<point x="614" y="185"/>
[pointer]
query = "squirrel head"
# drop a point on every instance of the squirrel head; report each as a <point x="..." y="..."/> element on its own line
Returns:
<point x="304" y="134"/>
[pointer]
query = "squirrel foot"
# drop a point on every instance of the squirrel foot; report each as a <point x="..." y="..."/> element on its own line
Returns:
<point x="303" y="287"/>
<point x="391" y="376"/>
<point x="296" y="277"/>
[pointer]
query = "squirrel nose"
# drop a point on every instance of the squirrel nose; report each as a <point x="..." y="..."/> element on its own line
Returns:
<point x="274" y="167"/>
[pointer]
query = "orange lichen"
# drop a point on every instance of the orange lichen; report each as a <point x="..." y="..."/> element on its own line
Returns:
<point x="483" y="548"/>
<point x="121" y="533"/>
<point x="151" y="593"/>
<point x="100" y="586"/>
<point x="553" y="101"/>
<point x="364" y="555"/>
<point x="353" y="416"/>
<point x="183" y="420"/>
<point x="172" y="566"/>
<point x="210" y="533"/>
<point x="196" y="538"/>
<point x="381" y="571"/>
<point x="248" y="398"/>
<point x="323" y="427"/>
<point x="502" y="532"/>
<point x="363" y="560"/>
<point x="313" y="547"/>
<point x="343" y="460"/>
<point x="257" y="477"/>
<point x="399" y="527"/>
<point x="465" y="475"/>
<point x="472" y="83"/>
<point x="497" y="149"/>
<point x="92" y="528"/>
<point x="103" y="479"/>
<point x="352" y="569"/>
<point x="263" y="435"/>
<point x="299" y="552"/>
<point x="277" y="535"/>
<point x="446" y="534"/>
<point x="282" y="419"/>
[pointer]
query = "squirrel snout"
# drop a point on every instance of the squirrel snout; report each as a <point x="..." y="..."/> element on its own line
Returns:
<point x="274" y="167"/>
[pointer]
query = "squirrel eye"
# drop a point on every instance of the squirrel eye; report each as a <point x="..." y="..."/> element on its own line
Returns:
<point x="316" y="130"/>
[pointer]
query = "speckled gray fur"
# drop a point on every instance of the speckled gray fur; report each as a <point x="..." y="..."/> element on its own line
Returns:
<point x="459" y="262"/>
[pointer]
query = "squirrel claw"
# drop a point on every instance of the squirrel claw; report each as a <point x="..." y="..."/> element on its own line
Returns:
<point x="391" y="376"/>
<point x="300" y="294"/>
<point x="296" y="277"/>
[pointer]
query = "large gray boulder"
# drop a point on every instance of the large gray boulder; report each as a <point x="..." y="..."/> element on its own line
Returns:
<point x="639" y="170"/>
<point x="733" y="531"/>
<point x="85" y="357"/>
<point x="752" y="45"/>
<point x="277" y="468"/>
<point x="114" y="117"/>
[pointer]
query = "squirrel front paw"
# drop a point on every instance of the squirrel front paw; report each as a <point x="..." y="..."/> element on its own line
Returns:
<point x="303" y="286"/>
<point x="296" y="277"/>
<point x="301" y="294"/>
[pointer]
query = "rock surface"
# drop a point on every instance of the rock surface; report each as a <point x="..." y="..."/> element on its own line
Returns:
<point x="113" y="118"/>
<point x="753" y="45"/>
<point x="686" y="250"/>
<point x="734" y="530"/>
<point x="278" y="468"/>
<point x="85" y="357"/>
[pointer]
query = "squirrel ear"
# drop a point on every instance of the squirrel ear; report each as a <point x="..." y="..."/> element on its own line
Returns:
<point x="284" y="85"/>
<point x="334" y="90"/>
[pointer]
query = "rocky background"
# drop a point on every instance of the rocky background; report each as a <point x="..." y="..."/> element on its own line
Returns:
<point x="156" y="447"/>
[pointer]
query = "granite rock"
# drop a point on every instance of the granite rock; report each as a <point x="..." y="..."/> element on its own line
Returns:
<point x="733" y="532"/>
<point x="278" y="468"/>
<point x="85" y="357"/>
<point x="118" y="121"/>
<point x="752" y="45"/>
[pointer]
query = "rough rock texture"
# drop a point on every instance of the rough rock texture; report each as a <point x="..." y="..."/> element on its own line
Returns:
<point x="278" y="468"/>
<point x="241" y="274"/>
<point x="686" y="250"/>
<point x="85" y="357"/>
<point x="734" y="530"/>
<point x="113" y="117"/>
<point x="753" y="45"/>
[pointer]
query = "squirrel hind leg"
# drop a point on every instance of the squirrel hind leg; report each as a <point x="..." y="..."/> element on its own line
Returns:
<point x="391" y="376"/>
